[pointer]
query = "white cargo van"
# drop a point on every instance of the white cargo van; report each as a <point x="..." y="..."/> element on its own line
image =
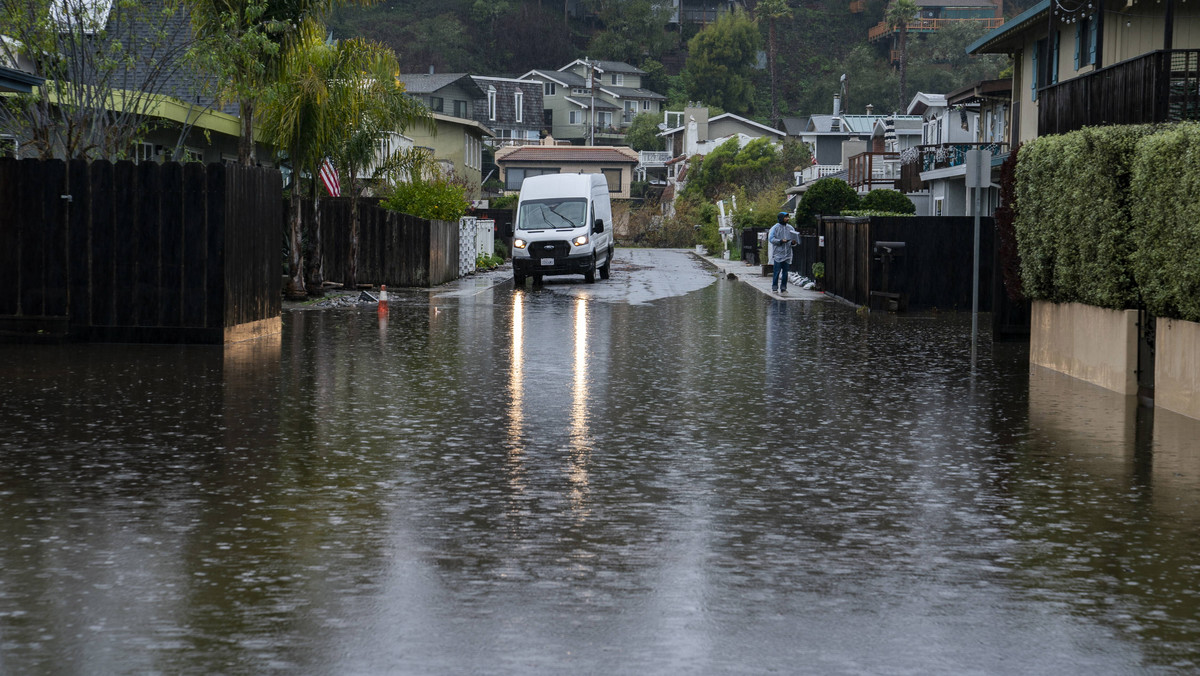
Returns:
<point x="563" y="226"/>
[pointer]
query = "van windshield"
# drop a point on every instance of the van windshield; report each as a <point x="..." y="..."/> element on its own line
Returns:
<point x="552" y="213"/>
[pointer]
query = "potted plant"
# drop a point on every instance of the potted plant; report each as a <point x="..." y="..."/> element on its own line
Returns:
<point x="818" y="271"/>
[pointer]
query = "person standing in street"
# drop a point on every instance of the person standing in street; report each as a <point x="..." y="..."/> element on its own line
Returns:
<point x="782" y="238"/>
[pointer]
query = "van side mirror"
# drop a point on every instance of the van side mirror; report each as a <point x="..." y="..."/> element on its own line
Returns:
<point x="599" y="227"/>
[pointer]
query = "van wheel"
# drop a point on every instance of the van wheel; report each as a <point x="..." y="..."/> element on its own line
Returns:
<point x="537" y="280"/>
<point x="518" y="278"/>
<point x="607" y="267"/>
<point x="590" y="275"/>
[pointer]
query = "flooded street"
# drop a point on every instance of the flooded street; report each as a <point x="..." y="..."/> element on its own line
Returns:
<point x="666" y="472"/>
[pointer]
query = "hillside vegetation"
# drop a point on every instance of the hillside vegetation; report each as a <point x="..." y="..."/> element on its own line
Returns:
<point x="816" y="42"/>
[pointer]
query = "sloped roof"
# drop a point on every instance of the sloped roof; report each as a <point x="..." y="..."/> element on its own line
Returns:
<point x="428" y="83"/>
<point x="851" y="124"/>
<point x="18" y="81"/>
<point x="729" y="116"/>
<point x="564" y="78"/>
<point x="607" y="67"/>
<point x="632" y="93"/>
<point x="794" y="125"/>
<point x="601" y="104"/>
<point x="597" y="154"/>
<point x="998" y="41"/>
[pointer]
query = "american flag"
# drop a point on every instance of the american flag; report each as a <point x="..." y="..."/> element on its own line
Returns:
<point x="330" y="178"/>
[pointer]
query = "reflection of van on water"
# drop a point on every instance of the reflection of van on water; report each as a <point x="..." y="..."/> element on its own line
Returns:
<point x="563" y="226"/>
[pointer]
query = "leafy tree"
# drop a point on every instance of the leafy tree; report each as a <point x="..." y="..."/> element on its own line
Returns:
<point x="892" y="201"/>
<point x="720" y="62"/>
<point x="631" y="27"/>
<point x="87" y="56"/>
<point x="757" y="167"/>
<point x="899" y="14"/>
<point x="643" y="133"/>
<point x="828" y="196"/>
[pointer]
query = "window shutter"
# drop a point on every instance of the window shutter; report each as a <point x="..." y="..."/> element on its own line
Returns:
<point x="1079" y="37"/>
<point x="1033" y="81"/>
<point x="1093" y="33"/>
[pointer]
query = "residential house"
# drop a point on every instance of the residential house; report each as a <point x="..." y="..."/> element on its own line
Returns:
<point x="836" y="138"/>
<point x="452" y="94"/>
<point x="698" y="134"/>
<point x="701" y="11"/>
<point x="598" y="114"/>
<point x="934" y="15"/>
<point x="182" y="118"/>
<point x="457" y="144"/>
<point x="615" y="162"/>
<point x="939" y="163"/>
<point x="511" y="108"/>
<point x="1107" y="62"/>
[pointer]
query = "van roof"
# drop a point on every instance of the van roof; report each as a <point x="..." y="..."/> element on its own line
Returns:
<point x="554" y="185"/>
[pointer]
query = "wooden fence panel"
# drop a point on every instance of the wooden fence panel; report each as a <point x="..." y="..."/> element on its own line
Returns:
<point x="10" y="237"/>
<point x="126" y="198"/>
<point x="170" y="292"/>
<point x="103" y="244"/>
<point x="146" y="290"/>
<point x="195" y="249"/>
<point x="79" y="225"/>
<point x="31" y="284"/>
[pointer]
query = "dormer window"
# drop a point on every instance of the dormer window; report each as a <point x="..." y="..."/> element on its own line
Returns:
<point x="519" y="103"/>
<point x="491" y="99"/>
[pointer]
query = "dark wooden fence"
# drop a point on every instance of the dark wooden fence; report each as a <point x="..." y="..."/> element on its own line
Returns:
<point x="933" y="268"/>
<point x="1162" y="86"/>
<point x="179" y="253"/>
<point x="393" y="249"/>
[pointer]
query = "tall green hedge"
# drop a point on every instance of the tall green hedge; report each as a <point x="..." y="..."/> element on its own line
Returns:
<point x="1108" y="216"/>
<point x="1074" y="231"/>
<point x="1166" y="208"/>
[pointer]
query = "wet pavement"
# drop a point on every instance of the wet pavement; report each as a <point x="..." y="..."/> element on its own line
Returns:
<point x="665" y="472"/>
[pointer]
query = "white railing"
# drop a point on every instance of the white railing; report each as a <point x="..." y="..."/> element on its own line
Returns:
<point x="816" y="171"/>
<point x="653" y="158"/>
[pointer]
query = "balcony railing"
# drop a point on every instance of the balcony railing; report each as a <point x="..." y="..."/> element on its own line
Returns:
<point x="816" y="171"/>
<point x="1162" y="86"/>
<point x="653" y="158"/>
<point x="946" y="155"/>
<point x="873" y="170"/>
<point x="881" y="29"/>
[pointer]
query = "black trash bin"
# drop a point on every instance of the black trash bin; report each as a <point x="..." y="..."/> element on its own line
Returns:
<point x="750" y="239"/>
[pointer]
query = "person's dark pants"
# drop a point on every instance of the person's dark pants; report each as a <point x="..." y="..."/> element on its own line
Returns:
<point x="780" y="270"/>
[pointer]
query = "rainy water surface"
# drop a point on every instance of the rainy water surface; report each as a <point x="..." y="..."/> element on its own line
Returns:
<point x="663" y="473"/>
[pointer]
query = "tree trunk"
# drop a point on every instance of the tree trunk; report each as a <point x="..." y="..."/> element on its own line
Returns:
<point x="246" y="140"/>
<point x="315" y="271"/>
<point x="295" y="285"/>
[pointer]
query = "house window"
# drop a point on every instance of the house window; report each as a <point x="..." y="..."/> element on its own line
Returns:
<point x="1085" y="42"/>
<point x="1045" y="63"/>
<point x="549" y="89"/>
<point x="645" y="105"/>
<point x="576" y="117"/>
<point x="519" y="104"/>
<point x="436" y="104"/>
<point x="460" y="109"/>
<point x="547" y="117"/>
<point x="613" y="176"/>
<point x="491" y="98"/>
<point x="604" y="120"/>
<point x="618" y="79"/>
<point x="514" y="177"/>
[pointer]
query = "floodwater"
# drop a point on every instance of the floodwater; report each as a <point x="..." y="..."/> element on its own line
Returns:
<point x="665" y="473"/>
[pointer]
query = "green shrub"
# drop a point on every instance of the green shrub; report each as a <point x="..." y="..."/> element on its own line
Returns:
<point x="827" y="196"/>
<point x="505" y="201"/>
<point x="435" y="200"/>
<point x="884" y="201"/>
<point x="1166" y="241"/>
<point x="1073" y="222"/>
<point x="867" y="213"/>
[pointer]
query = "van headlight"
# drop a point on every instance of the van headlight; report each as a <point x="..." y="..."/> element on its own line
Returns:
<point x="518" y="244"/>
<point x="580" y="240"/>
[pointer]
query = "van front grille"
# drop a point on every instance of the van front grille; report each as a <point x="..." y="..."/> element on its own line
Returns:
<point x="557" y="249"/>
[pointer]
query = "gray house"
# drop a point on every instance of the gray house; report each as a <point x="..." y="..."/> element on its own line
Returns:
<point x="452" y="94"/>
<point x="598" y="114"/>
<point x="511" y="108"/>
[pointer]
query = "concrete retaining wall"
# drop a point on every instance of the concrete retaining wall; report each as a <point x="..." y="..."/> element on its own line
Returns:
<point x="1177" y="366"/>
<point x="1093" y="344"/>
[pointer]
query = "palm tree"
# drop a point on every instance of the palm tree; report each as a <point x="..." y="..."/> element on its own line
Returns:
<point x="899" y="14"/>
<point x="382" y="108"/>
<point x="773" y="10"/>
